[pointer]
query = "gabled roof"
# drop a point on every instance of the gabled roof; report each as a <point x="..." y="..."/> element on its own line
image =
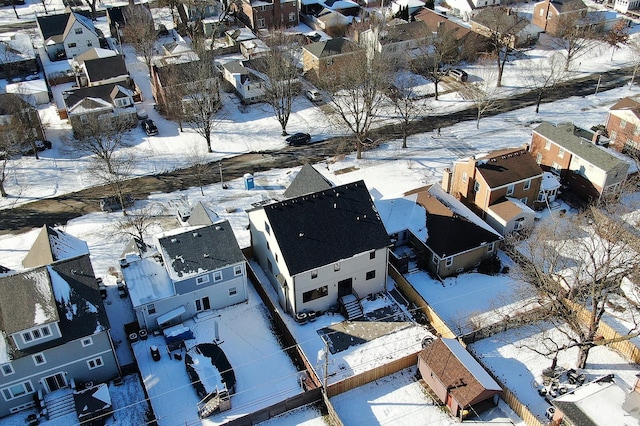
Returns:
<point x="94" y="53"/>
<point x="325" y="227"/>
<point x="135" y="245"/>
<point x="99" y="96"/>
<point x="403" y="32"/>
<point x="195" y="250"/>
<point x="105" y="68"/>
<point x="564" y="6"/>
<point x="65" y="291"/>
<point x="52" y="245"/>
<point x="628" y="106"/>
<point x="235" y="67"/>
<point x="463" y="377"/>
<point x="11" y="103"/>
<point x="16" y="49"/>
<point x="202" y="215"/>
<point x="451" y="227"/>
<point x="509" y="208"/>
<point x="82" y="20"/>
<point x="52" y="25"/>
<point x="505" y="166"/>
<point x="333" y="47"/>
<point x="577" y="141"/>
<point x="307" y="181"/>
<point x="510" y="22"/>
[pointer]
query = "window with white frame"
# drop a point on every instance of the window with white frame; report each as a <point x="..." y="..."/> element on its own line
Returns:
<point x="538" y="158"/>
<point x="524" y="200"/>
<point x="203" y="304"/>
<point x="71" y="45"/>
<point x="39" y="359"/>
<point x="7" y="369"/>
<point x="122" y="102"/>
<point x="434" y="258"/>
<point x="490" y="248"/>
<point x="464" y="177"/>
<point x="556" y="167"/>
<point x="78" y="30"/>
<point x="448" y="261"/>
<point x="613" y="135"/>
<point x="623" y="124"/>
<point x="547" y="145"/>
<point x="527" y="184"/>
<point x="237" y="270"/>
<point x="217" y="276"/>
<point x="561" y="153"/>
<point x="510" y="189"/>
<point x="233" y="291"/>
<point x="336" y="267"/>
<point x="202" y="279"/>
<point x="87" y="341"/>
<point x="84" y="119"/>
<point x="36" y="334"/>
<point x="476" y="186"/>
<point x="314" y="274"/>
<point x="541" y="196"/>
<point x="95" y="363"/>
<point x="261" y="23"/>
<point x="292" y="16"/>
<point x="17" y="390"/>
<point x="89" y="43"/>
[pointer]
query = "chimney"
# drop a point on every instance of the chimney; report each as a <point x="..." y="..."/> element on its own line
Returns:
<point x="596" y="137"/>
<point x="446" y="179"/>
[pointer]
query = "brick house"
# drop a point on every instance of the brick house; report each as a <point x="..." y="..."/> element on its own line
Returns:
<point x="549" y="14"/>
<point x="320" y="56"/>
<point x="623" y="126"/>
<point x="268" y="15"/>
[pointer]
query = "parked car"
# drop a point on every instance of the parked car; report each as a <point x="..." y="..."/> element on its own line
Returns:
<point x="458" y="74"/>
<point x="149" y="127"/>
<point x="111" y="204"/>
<point x="40" y="146"/>
<point x="299" y="139"/>
<point x="313" y="95"/>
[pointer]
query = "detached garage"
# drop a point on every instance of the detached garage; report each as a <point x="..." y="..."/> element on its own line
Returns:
<point x="456" y="378"/>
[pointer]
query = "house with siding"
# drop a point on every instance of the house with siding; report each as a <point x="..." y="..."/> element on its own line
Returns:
<point x="55" y="333"/>
<point x="623" y="126"/>
<point x="509" y="176"/>
<point x="456" y="378"/>
<point x="589" y="170"/>
<point x="79" y="35"/>
<point x="321" y="249"/>
<point x="186" y="271"/>
<point x="396" y="41"/>
<point x="321" y="56"/>
<point x="549" y="15"/>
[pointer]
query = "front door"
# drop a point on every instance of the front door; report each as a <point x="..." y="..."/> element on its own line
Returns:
<point x="345" y="287"/>
<point x="55" y="382"/>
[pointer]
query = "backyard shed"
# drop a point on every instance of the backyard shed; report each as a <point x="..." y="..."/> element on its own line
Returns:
<point x="456" y="378"/>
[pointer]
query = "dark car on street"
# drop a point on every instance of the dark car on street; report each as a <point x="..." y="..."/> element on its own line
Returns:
<point x="299" y="139"/>
<point x="112" y="204"/>
<point x="149" y="127"/>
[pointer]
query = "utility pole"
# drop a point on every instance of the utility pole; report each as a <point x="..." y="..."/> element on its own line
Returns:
<point x="598" y="85"/>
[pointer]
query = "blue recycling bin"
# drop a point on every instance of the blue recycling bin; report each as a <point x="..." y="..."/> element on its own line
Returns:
<point x="248" y="181"/>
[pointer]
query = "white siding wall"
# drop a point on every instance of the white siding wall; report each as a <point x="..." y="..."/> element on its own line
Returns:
<point x="83" y="42"/>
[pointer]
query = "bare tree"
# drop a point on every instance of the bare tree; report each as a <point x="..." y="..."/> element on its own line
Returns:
<point x="92" y="6"/>
<point x="542" y="76"/>
<point x="503" y="26"/>
<point x="617" y="36"/>
<point x="483" y="93"/>
<point x="576" y="37"/>
<point x="438" y="50"/>
<point x="281" y="85"/>
<point x="9" y="147"/>
<point x="102" y="137"/>
<point x="116" y="174"/>
<point x="199" y="167"/>
<point x="634" y="45"/>
<point x="407" y="104"/>
<point x="576" y="265"/>
<point x="137" y="223"/>
<point x="356" y="89"/>
<point x="140" y="31"/>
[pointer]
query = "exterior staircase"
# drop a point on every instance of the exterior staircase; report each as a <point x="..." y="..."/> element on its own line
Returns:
<point x="351" y="307"/>
<point x="214" y="402"/>
<point x="59" y="403"/>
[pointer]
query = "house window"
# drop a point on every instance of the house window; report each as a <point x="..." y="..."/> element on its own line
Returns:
<point x="476" y="186"/>
<point x="261" y="23"/>
<point x="336" y="267"/>
<point x="614" y="135"/>
<point x="39" y="359"/>
<point x="78" y="30"/>
<point x="36" y="334"/>
<point x="268" y="247"/>
<point x="636" y="131"/>
<point x="561" y="153"/>
<point x="95" y="363"/>
<point x="203" y="304"/>
<point x="371" y="275"/>
<point x="121" y="102"/>
<point x="292" y="17"/>
<point x="270" y="266"/>
<point x="527" y="184"/>
<point x="26" y="337"/>
<point x="556" y="167"/>
<point x="314" y="274"/>
<point x="87" y="341"/>
<point x="538" y="158"/>
<point x="233" y="291"/>
<point x="547" y="145"/>
<point x="7" y="369"/>
<point x="464" y="177"/>
<point x="237" y="270"/>
<point x="71" y="45"/>
<point x="524" y="200"/>
<point x="202" y="279"/>
<point x="17" y="390"/>
<point x="448" y="261"/>
<point x="623" y="124"/>
<point x="89" y="43"/>
<point x="541" y="12"/>
<point x="490" y="248"/>
<point x="217" y="276"/>
<point x="84" y="119"/>
<point x="510" y="189"/>
<point x="267" y="229"/>
<point x="317" y="293"/>
<point x="372" y="255"/>
<point x="151" y="308"/>
<point x="519" y="223"/>
<point x="434" y="258"/>
<point x="541" y="196"/>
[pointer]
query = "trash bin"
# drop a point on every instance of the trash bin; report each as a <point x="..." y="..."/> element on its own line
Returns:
<point x="248" y="181"/>
<point x="155" y="353"/>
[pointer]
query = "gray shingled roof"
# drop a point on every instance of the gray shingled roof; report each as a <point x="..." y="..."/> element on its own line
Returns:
<point x="202" y="215"/>
<point x="577" y="141"/>
<point x="53" y="25"/>
<point x="104" y="68"/>
<point x="196" y="250"/>
<point x="335" y="46"/>
<point x="506" y="166"/>
<point x="307" y="181"/>
<point x="52" y="245"/>
<point x="103" y="91"/>
<point x="327" y="226"/>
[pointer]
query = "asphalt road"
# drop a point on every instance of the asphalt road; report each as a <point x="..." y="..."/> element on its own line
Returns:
<point x="59" y="210"/>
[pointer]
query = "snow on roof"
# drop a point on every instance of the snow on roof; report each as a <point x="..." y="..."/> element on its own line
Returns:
<point x="41" y="284"/>
<point x="27" y="87"/>
<point x="399" y="214"/>
<point x="65" y="246"/>
<point x="471" y="364"/>
<point x="4" y="355"/>
<point x="549" y="182"/>
<point x="147" y="281"/>
<point x="61" y="288"/>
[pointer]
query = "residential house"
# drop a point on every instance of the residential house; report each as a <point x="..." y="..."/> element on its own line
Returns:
<point x="324" y="19"/>
<point x="589" y="170"/>
<point x="307" y="180"/>
<point x="16" y="113"/>
<point x="188" y="270"/>
<point x="17" y="57"/>
<point x="507" y="175"/>
<point x="255" y="48"/>
<point x="321" y="56"/>
<point x="249" y="86"/>
<point x="236" y="36"/>
<point x="515" y="30"/>
<point x="103" y="70"/>
<point x="396" y="41"/>
<point x="55" y="332"/>
<point x="624" y="6"/>
<point x="456" y="378"/>
<point x="106" y="101"/>
<point x="550" y="14"/>
<point x="321" y="249"/>
<point x="467" y="9"/>
<point x="35" y="92"/>
<point x="412" y="6"/>
<point x="602" y="401"/>
<point x="79" y="35"/>
<point x="51" y="29"/>
<point x="269" y="14"/>
<point x="118" y="18"/>
<point x="52" y="245"/>
<point x="446" y="237"/>
<point x="623" y="126"/>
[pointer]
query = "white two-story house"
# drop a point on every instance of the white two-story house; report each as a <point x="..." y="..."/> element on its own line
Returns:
<point x="187" y="271"/>
<point x="79" y="35"/>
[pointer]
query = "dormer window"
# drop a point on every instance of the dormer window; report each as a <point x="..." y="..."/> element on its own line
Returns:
<point x="36" y="334"/>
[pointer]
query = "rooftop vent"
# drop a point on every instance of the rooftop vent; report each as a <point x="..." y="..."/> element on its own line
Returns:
<point x="174" y="240"/>
<point x="195" y="234"/>
<point x="218" y="227"/>
<point x="206" y="255"/>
